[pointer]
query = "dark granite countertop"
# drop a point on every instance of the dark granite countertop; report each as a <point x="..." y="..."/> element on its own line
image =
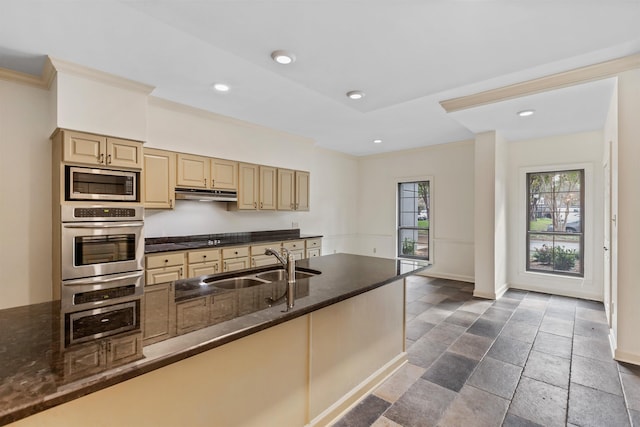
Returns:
<point x="201" y="241"/>
<point x="31" y="377"/>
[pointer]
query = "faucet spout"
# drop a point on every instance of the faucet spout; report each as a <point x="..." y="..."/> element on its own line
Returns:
<point x="289" y="264"/>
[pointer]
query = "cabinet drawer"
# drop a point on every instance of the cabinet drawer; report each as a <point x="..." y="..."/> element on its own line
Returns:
<point x="257" y="250"/>
<point x="293" y="245"/>
<point x="314" y="243"/>
<point x="204" y="269"/>
<point x="203" y="256"/>
<point x="165" y="259"/>
<point x="241" y="251"/>
<point x="313" y="252"/>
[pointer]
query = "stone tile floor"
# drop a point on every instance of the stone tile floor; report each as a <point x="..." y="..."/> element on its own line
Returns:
<point x="528" y="359"/>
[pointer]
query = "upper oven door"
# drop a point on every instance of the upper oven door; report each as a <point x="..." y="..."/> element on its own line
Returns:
<point x="101" y="184"/>
<point x="99" y="248"/>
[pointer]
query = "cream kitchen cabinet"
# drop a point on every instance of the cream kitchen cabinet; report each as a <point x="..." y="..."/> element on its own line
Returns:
<point x="159" y="178"/>
<point x="236" y="258"/>
<point x="158" y="313"/>
<point x="268" y="188"/>
<point x="164" y="267"/>
<point x="295" y="248"/>
<point x="313" y="247"/>
<point x="248" y="186"/>
<point x="97" y="150"/>
<point x="193" y="171"/>
<point x="203" y="262"/>
<point x="293" y="190"/>
<point x="205" y="172"/>
<point x="259" y="259"/>
<point x="222" y="307"/>
<point x="224" y="174"/>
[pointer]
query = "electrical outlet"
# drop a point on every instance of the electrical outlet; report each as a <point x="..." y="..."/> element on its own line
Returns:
<point x="295" y="225"/>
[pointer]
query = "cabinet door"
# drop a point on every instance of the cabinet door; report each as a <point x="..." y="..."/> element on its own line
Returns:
<point x="286" y="190"/>
<point x="235" y="264"/>
<point x="84" y="148"/>
<point x="193" y="171"/>
<point x="124" y="349"/>
<point x="263" y="260"/>
<point x="248" y="186"/>
<point x="302" y="191"/>
<point x="164" y="275"/>
<point x="222" y="307"/>
<point x="159" y="178"/>
<point x="311" y="253"/>
<point x="83" y="360"/>
<point x="268" y="187"/>
<point x="224" y="174"/>
<point x="158" y="313"/>
<point x="203" y="269"/>
<point x="191" y="315"/>
<point x="124" y="153"/>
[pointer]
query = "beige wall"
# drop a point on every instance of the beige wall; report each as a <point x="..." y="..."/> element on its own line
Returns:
<point x="452" y="168"/>
<point x="25" y="195"/>
<point x="628" y="314"/>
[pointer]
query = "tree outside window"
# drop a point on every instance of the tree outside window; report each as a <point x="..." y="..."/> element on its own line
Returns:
<point x="414" y="208"/>
<point x="555" y="222"/>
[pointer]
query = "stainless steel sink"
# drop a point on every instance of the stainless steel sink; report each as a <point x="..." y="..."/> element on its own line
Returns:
<point x="275" y="275"/>
<point x="237" y="282"/>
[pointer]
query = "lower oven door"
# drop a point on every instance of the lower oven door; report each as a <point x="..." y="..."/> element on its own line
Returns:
<point x="82" y="326"/>
<point x="99" y="248"/>
<point x="92" y="292"/>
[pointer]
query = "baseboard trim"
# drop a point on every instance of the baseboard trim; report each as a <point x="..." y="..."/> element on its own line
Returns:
<point x="457" y="277"/>
<point x="358" y="393"/>
<point x="560" y="292"/>
<point x="485" y="295"/>
<point x="623" y="356"/>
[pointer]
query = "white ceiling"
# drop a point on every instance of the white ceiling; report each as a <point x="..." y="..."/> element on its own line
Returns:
<point x="406" y="55"/>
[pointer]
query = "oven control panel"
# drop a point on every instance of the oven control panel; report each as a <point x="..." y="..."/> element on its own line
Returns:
<point x="104" y="213"/>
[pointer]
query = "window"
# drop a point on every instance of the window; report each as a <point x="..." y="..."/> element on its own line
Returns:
<point x="555" y="230"/>
<point x="414" y="208"/>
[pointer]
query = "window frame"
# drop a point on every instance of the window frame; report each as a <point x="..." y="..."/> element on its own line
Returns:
<point x="581" y="233"/>
<point x="398" y="228"/>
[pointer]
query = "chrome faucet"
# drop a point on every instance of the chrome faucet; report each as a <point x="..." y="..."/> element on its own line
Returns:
<point x="289" y="264"/>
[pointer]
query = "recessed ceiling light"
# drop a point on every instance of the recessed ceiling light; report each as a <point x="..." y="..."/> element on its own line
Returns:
<point x="377" y="141"/>
<point x="221" y="87"/>
<point x="283" y="57"/>
<point x="355" y="94"/>
<point x="526" y="113"/>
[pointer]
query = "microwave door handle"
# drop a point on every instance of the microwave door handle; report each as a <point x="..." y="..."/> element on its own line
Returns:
<point x="103" y="225"/>
<point x="101" y="279"/>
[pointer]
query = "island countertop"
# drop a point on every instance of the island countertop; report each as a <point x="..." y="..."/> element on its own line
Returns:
<point x="30" y="362"/>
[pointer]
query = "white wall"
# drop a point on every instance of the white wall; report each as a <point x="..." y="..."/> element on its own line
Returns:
<point x="333" y="176"/>
<point x="25" y="195"/>
<point x="452" y="169"/>
<point x="582" y="150"/>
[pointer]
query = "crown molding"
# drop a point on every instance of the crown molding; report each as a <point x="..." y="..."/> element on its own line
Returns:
<point x="22" y="78"/>
<point x="60" y="66"/>
<point x="555" y="81"/>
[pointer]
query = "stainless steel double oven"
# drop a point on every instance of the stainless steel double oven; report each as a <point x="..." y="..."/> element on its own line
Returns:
<point x="102" y="250"/>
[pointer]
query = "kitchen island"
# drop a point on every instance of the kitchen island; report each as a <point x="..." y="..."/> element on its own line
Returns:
<point x="273" y="366"/>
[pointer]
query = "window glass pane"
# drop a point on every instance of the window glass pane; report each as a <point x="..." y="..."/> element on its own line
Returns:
<point x="413" y="219"/>
<point x="555" y="222"/>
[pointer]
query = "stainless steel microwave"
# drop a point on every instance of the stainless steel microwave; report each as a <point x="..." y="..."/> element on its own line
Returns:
<point x="101" y="184"/>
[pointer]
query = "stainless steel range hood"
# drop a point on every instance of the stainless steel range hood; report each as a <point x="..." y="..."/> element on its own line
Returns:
<point x="206" y="195"/>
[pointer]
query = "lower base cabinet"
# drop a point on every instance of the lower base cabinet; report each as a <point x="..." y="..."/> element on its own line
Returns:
<point x="91" y="358"/>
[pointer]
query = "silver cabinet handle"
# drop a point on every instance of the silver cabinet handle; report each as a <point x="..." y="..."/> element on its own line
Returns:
<point x="104" y="225"/>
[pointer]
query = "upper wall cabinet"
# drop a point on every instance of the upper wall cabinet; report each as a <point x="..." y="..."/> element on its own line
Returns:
<point x="205" y="172"/>
<point x="293" y="190"/>
<point x="95" y="150"/>
<point x="248" y="186"/>
<point x="224" y="174"/>
<point x="268" y="188"/>
<point x="159" y="177"/>
<point x="193" y="171"/>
